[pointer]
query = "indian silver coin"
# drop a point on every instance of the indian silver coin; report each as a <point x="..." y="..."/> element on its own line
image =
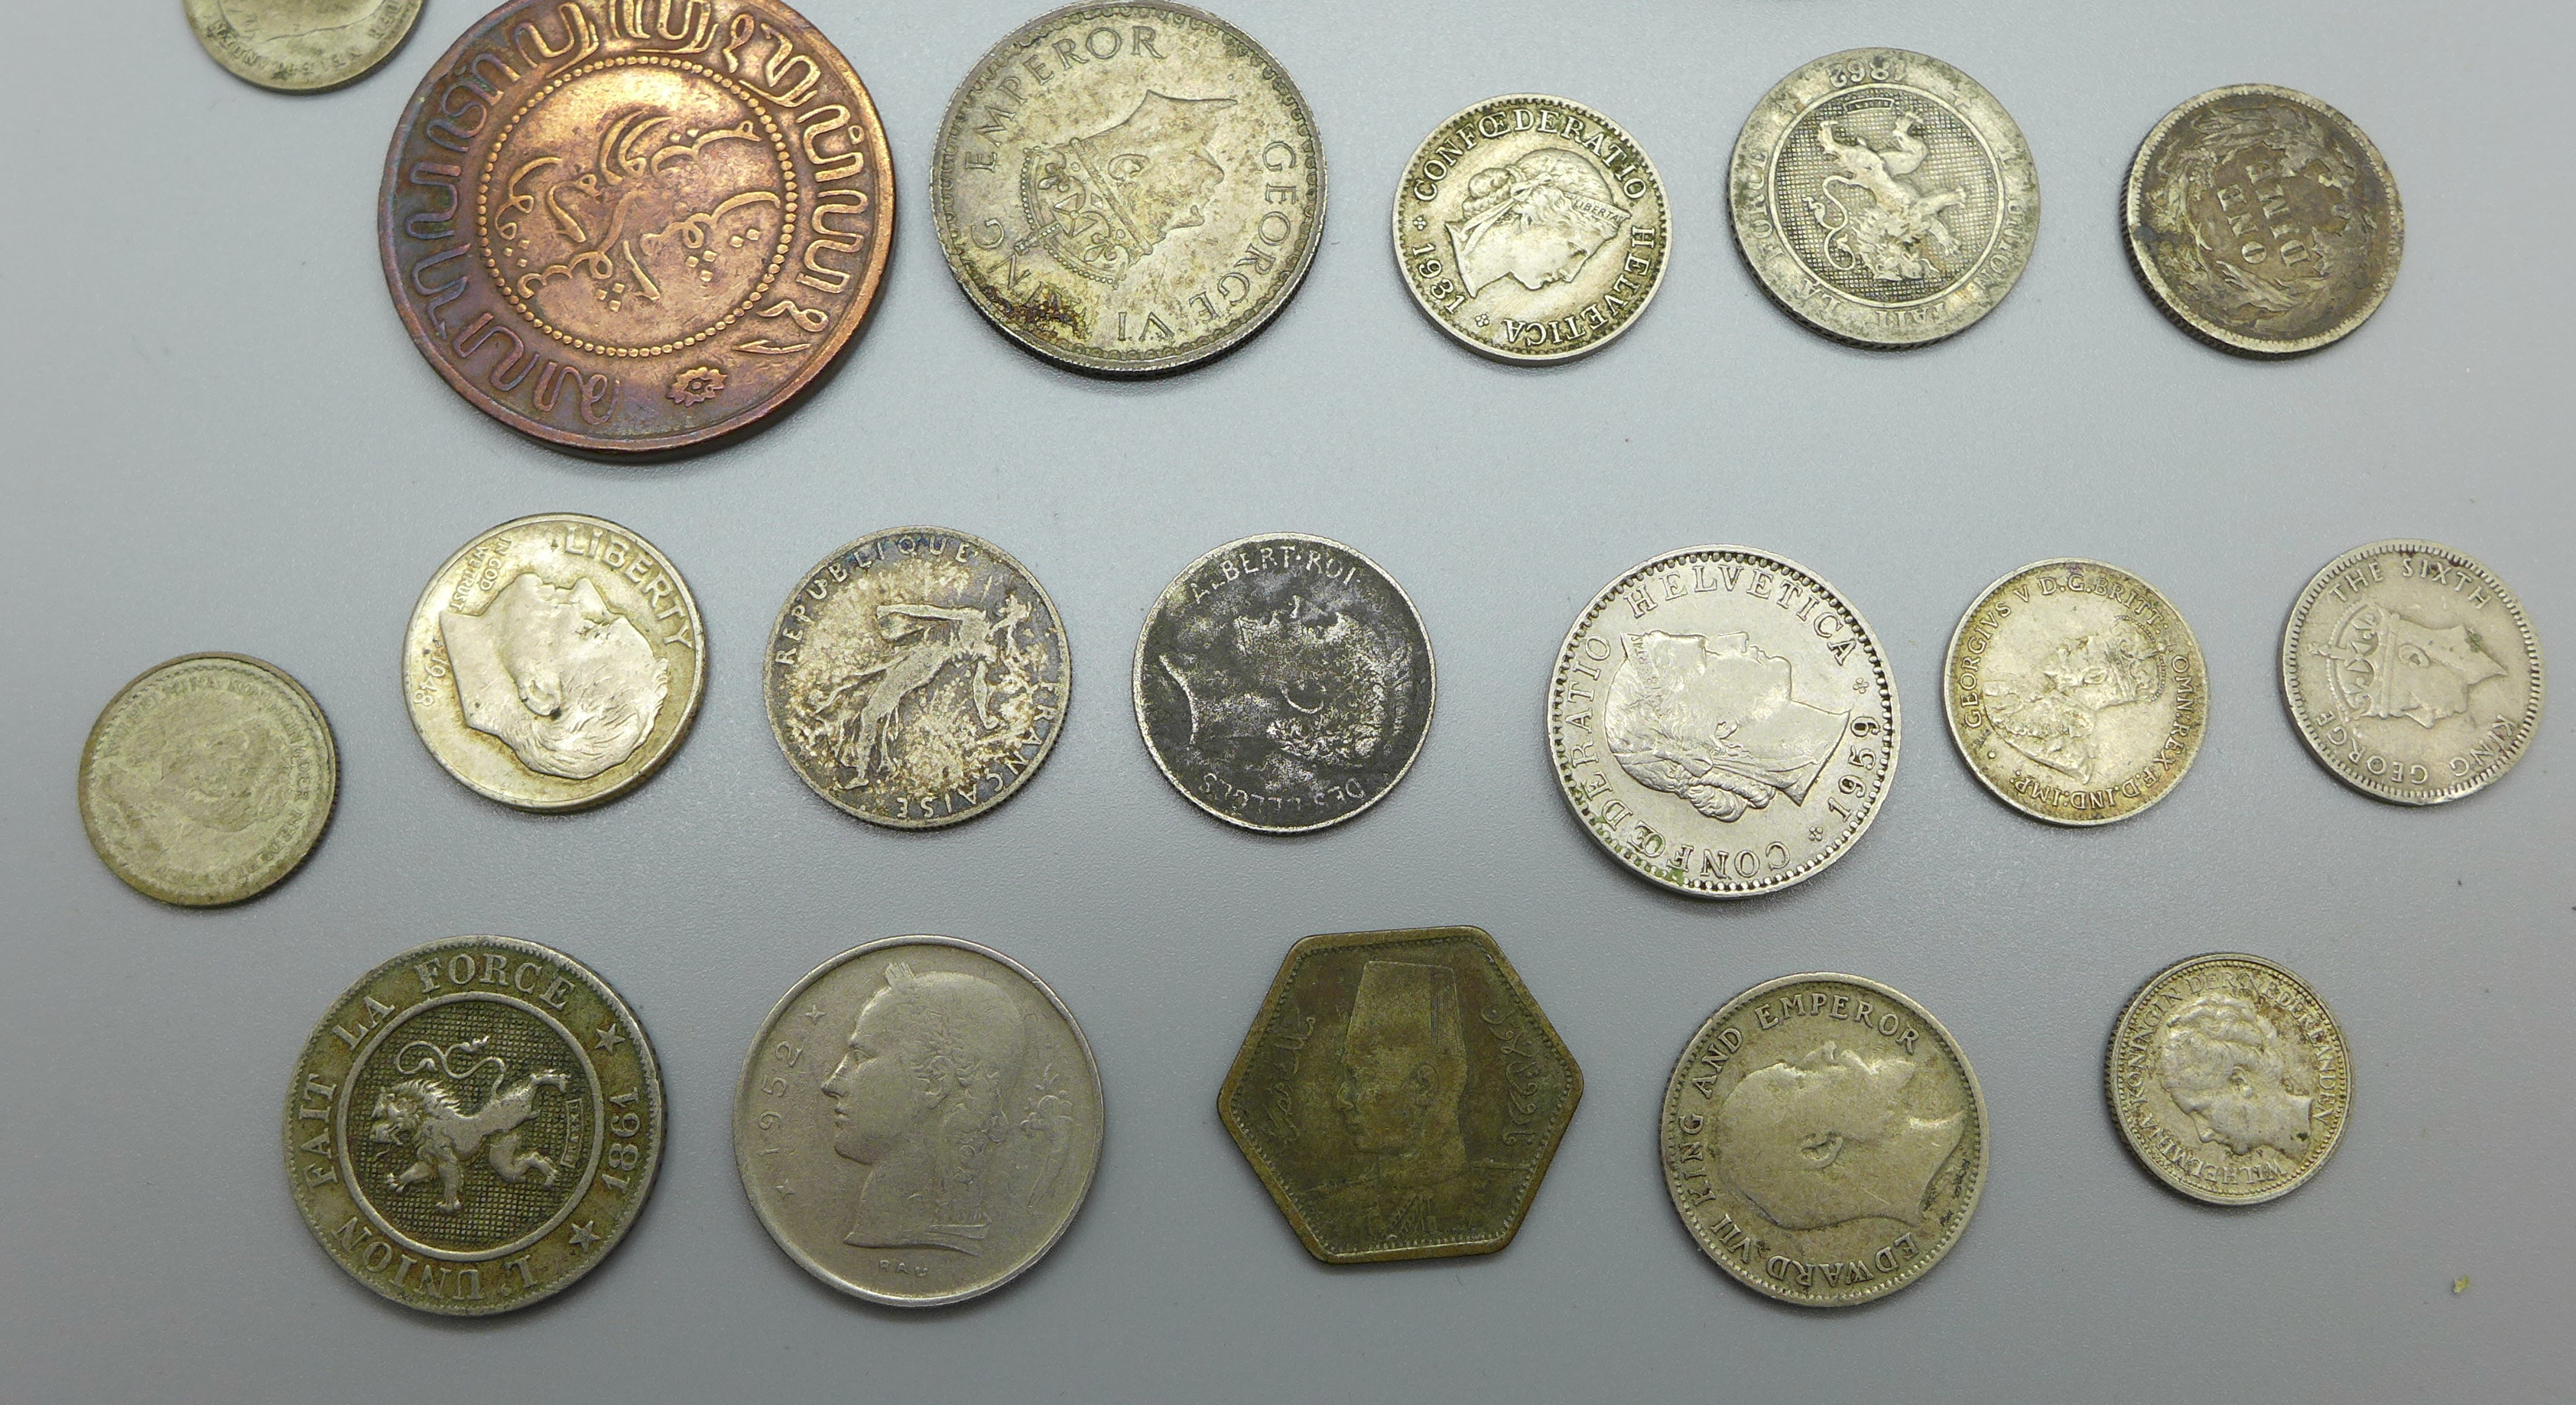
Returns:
<point x="2229" y="1079"/>
<point x="1283" y="683"/>
<point x="917" y="677"/>
<point x="1532" y="229"/>
<point x="555" y="662"/>
<point x="1128" y="188"/>
<point x="1883" y="197"/>
<point x="2412" y="672"/>
<point x="2075" y="692"/>
<point x="301" y="46"/>
<point x="208" y="779"/>
<point x="473" y="1126"/>
<point x="918" y="1122"/>
<point x="1723" y="722"/>
<point x="1824" y="1139"/>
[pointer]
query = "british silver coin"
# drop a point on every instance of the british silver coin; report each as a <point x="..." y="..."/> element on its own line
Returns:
<point x="2229" y="1079"/>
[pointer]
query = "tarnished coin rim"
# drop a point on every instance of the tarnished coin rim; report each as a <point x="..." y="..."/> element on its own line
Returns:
<point x="226" y="897"/>
<point x="639" y="772"/>
<point x="2119" y="1105"/>
<point x="1608" y="595"/>
<point x="1430" y="682"/>
<point x="364" y="66"/>
<point x="633" y="1200"/>
<point x="1206" y="348"/>
<point x="1950" y="705"/>
<point x="1046" y="748"/>
<point x="2178" y="310"/>
<point x="2306" y="726"/>
<point x="1503" y="354"/>
<point x="1923" y="1263"/>
<point x="749" y="1082"/>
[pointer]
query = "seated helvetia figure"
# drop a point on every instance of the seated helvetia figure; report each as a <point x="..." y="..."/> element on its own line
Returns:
<point x="565" y="682"/>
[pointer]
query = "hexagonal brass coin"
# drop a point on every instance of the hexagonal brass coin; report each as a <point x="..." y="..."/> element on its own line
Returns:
<point x="1400" y="1095"/>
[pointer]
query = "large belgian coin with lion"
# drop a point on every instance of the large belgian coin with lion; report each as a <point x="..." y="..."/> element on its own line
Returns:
<point x="473" y="1125"/>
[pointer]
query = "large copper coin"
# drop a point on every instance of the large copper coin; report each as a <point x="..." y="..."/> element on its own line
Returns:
<point x="636" y="227"/>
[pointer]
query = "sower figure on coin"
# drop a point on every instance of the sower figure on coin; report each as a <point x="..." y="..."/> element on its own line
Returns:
<point x="302" y="46"/>
<point x="1128" y="188"/>
<point x="2229" y="1079"/>
<point x="636" y="229"/>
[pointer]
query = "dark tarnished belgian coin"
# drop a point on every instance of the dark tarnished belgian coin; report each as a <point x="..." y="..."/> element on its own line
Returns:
<point x="918" y="1121"/>
<point x="1532" y="229"/>
<point x="2411" y="672"/>
<point x="2229" y="1079"/>
<point x="2262" y="221"/>
<point x="473" y="1125"/>
<point x="1283" y="682"/>
<point x="1400" y="1095"/>
<point x="1128" y="188"/>
<point x="2075" y="692"/>
<point x="917" y="677"/>
<point x="302" y="46"/>
<point x="207" y="779"/>
<point x="1824" y="1139"/>
<point x="555" y="662"/>
<point x="1883" y="197"/>
<point x="632" y="228"/>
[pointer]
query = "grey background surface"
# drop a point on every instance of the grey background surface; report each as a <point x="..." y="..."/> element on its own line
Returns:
<point x="219" y="438"/>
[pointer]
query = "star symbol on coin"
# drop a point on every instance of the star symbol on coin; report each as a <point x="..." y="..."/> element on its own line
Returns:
<point x="584" y="1234"/>
<point x="783" y="1189"/>
<point x="1420" y="222"/>
<point x="814" y="1015"/>
<point x="606" y="1038"/>
<point x="1816" y="833"/>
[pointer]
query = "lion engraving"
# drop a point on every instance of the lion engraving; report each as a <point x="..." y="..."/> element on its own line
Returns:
<point x="431" y="1116"/>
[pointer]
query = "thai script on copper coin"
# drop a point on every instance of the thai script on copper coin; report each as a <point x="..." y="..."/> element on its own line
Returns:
<point x="2229" y="1079"/>
<point x="1400" y="1095"/>
<point x="1283" y="683"/>
<point x="555" y="662"/>
<point x="1883" y="197"/>
<point x="2412" y="672"/>
<point x="207" y="779"/>
<point x="628" y="228"/>
<point x="2263" y="221"/>
<point x="2075" y="692"/>
<point x="1824" y="1139"/>
<point x="473" y="1126"/>
<point x="1531" y="228"/>
<point x="1128" y="188"/>
<point x="918" y="1121"/>
<point x="302" y="46"/>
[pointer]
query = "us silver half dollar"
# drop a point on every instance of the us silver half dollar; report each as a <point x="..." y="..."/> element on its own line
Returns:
<point x="2075" y="692"/>
<point x="2263" y="221"/>
<point x="1128" y="188"/>
<point x="1283" y="683"/>
<point x="1722" y="721"/>
<point x="1883" y="197"/>
<point x="207" y="779"/>
<point x="302" y="46"/>
<point x="917" y="677"/>
<point x="473" y="1125"/>
<point x="2229" y="1079"/>
<point x="555" y="662"/>
<point x="2412" y="672"/>
<point x="1531" y="228"/>
<point x="918" y="1121"/>
<point x="1824" y="1139"/>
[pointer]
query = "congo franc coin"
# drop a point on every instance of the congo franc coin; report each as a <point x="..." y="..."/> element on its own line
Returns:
<point x="917" y="677"/>
<point x="1128" y="188"/>
<point x="2411" y="672"/>
<point x="1883" y="197"/>
<point x="473" y="1125"/>
<point x="555" y="662"/>
<point x="302" y="46"/>
<point x="1532" y="229"/>
<point x="1283" y="683"/>
<point x="2262" y="221"/>
<point x="1824" y="1139"/>
<point x="918" y="1122"/>
<point x="2229" y="1079"/>
<point x="2075" y="692"/>
<point x="207" y="779"/>
<point x="630" y="229"/>
<point x="1723" y="722"/>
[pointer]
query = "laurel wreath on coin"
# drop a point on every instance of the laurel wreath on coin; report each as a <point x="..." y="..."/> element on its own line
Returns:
<point x="2192" y="169"/>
